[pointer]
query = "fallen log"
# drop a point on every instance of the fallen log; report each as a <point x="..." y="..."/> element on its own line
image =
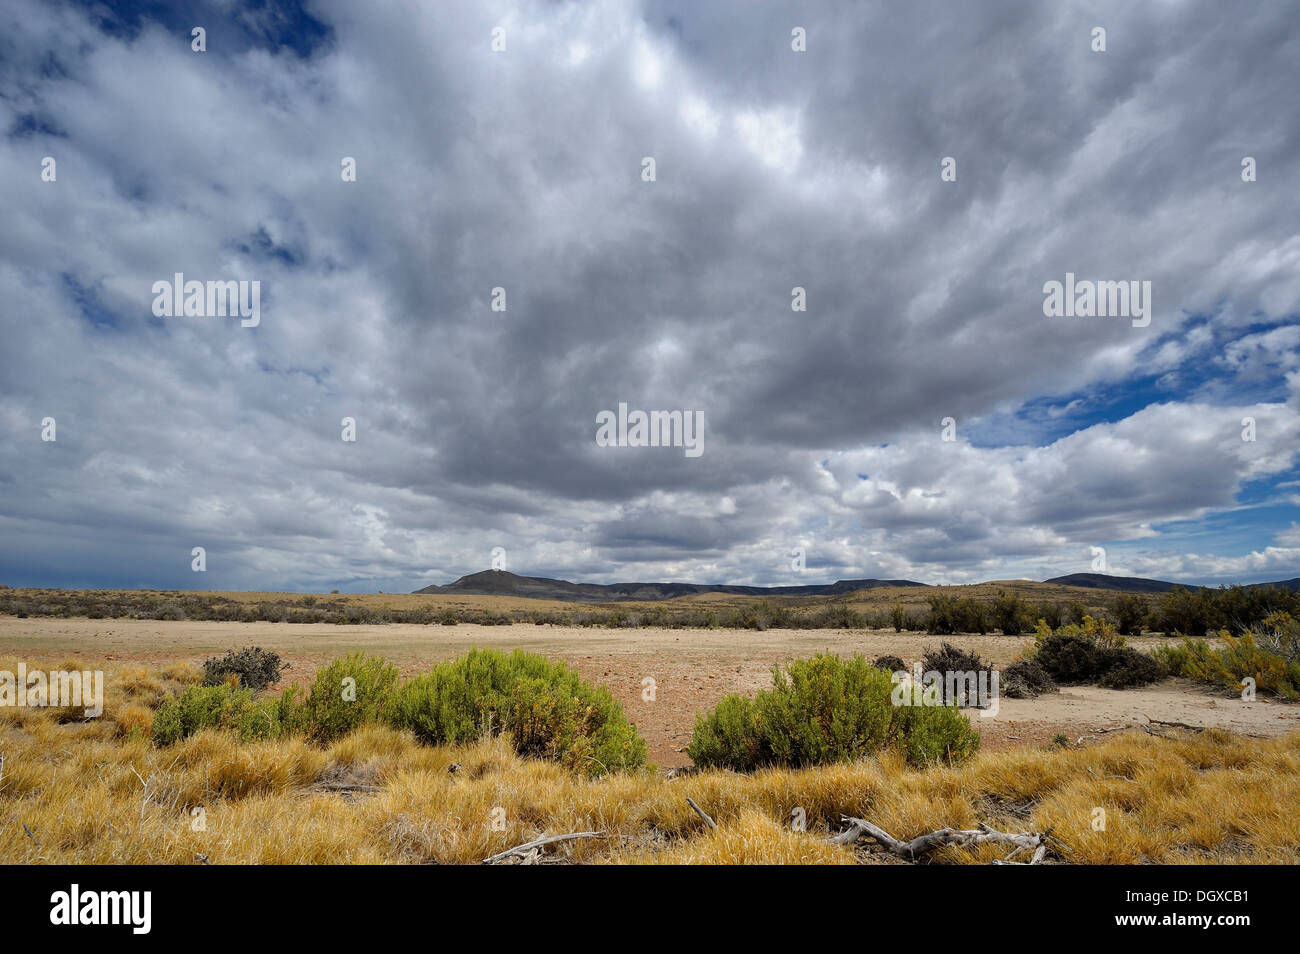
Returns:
<point x="529" y="846"/>
<point x="1035" y="842"/>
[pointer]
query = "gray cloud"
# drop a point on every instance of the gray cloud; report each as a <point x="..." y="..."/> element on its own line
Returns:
<point x="522" y="170"/>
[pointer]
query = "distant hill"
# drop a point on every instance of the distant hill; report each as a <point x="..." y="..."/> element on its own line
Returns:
<point x="1100" y="581"/>
<point x="1136" y="584"/>
<point x="502" y="583"/>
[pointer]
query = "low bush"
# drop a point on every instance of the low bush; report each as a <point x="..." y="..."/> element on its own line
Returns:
<point x="1093" y="652"/>
<point x="1268" y="654"/>
<point x="890" y="664"/>
<point x="346" y="693"/>
<point x="546" y="708"/>
<point x="1127" y="669"/>
<point x="1070" y="659"/>
<point x="825" y="710"/>
<point x="255" y="668"/>
<point x="953" y="664"/>
<point x="199" y="707"/>
<point x="1025" y="679"/>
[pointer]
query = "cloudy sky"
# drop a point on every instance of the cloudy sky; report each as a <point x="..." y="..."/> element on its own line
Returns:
<point x="523" y="169"/>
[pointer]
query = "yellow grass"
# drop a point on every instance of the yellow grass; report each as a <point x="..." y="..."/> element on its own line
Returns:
<point x="101" y="793"/>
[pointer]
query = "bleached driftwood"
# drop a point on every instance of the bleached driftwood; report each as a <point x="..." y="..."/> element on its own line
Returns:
<point x="700" y="811"/>
<point x="1036" y="842"/>
<point x="528" y="847"/>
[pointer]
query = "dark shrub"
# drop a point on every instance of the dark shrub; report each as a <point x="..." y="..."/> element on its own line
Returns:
<point x="1188" y="612"/>
<point x="942" y="620"/>
<point x="1025" y="679"/>
<point x="958" y="667"/>
<point x="256" y="668"/>
<point x="825" y="710"/>
<point x="890" y="664"/>
<point x="898" y="617"/>
<point x="1127" y="668"/>
<point x="1070" y="659"/>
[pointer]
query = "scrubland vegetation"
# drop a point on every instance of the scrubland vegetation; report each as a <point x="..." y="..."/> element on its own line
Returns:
<point x="1268" y="653"/>
<point x="106" y="792"/>
<point x="945" y="610"/>
<point x="543" y="707"/>
<point x="826" y="710"/>
<point x="487" y="751"/>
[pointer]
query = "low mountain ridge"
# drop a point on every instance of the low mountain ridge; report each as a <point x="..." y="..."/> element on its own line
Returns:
<point x="1137" y="584"/>
<point x="503" y="583"/>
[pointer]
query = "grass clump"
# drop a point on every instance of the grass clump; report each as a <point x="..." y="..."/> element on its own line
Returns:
<point x="826" y="710"/>
<point x="547" y="709"/>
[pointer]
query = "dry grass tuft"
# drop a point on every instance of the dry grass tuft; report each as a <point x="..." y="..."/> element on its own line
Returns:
<point x="101" y="793"/>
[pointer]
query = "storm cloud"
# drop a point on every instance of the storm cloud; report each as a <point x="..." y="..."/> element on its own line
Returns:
<point x="521" y="169"/>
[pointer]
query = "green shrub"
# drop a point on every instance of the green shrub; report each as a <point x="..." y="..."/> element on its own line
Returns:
<point x="268" y="718"/>
<point x="1130" y="615"/>
<point x="1010" y="615"/>
<point x="1243" y="658"/>
<point x="898" y="617"/>
<point x="199" y="707"/>
<point x="932" y="734"/>
<point x="346" y="693"/>
<point x="825" y="710"/>
<point x="546" y="708"/>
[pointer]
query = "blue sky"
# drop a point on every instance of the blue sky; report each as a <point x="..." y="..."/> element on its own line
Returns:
<point x="522" y="169"/>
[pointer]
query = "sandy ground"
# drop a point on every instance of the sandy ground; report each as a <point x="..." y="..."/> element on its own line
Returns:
<point x="691" y="669"/>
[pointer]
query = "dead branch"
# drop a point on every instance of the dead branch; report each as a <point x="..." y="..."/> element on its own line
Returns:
<point x="1172" y="725"/>
<point x="343" y="787"/>
<point x="700" y="811"/>
<point x="529" y="846"/>
<point x="1035" y="842"/>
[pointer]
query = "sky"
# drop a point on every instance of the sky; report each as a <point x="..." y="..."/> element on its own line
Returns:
<point x="921" y="418"/>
